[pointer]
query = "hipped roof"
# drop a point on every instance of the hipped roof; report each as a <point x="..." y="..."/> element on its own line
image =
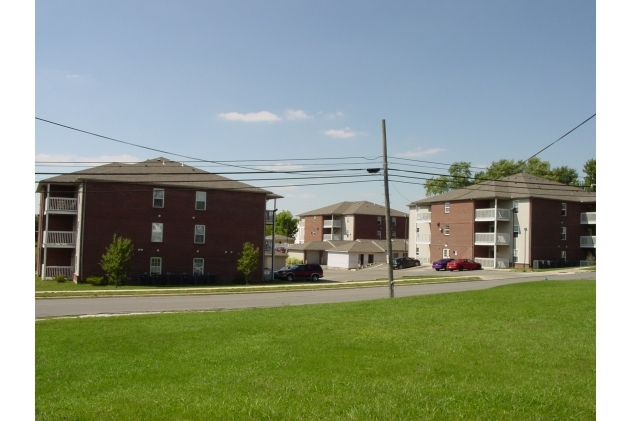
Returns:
<point x="353" y="208"/>
<point x="518" y="186"/>
<point x="155" y="172"/>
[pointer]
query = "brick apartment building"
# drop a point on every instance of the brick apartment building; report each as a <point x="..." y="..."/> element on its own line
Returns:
<point x="350" y="221"/>
<point x="180" y="219"/>
<point x="518" y="221"/>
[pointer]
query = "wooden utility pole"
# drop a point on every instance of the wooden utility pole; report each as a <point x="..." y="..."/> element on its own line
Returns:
<point x="387" y="193"/>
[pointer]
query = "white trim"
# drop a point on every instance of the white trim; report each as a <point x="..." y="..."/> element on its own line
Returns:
<point x="197" y="260"/>
<point x="157" y="232"/>
<point x="200" y="230"/>
<point x="200" y="198"/>
<point x="156" y="196"/>
<point x="152" y="266"/>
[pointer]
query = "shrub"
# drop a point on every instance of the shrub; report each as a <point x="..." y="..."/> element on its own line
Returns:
<point x="60" y="278"/>
<point x="116" y="262"/>
<point x="96" y="280"/>
<point x="292" y="261"/>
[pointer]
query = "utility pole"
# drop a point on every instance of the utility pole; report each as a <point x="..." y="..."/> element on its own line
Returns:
<point x="387" y="193"/>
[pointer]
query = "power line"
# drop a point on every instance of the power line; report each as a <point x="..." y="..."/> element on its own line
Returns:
<point x="561" y="137"/>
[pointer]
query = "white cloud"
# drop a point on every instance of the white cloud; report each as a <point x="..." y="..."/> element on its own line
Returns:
<point x="281" y="167"/>
<point x="69" y="159"/>
<point x="419" y="153"/>
<point x="331" y="116"/>
<point x="250" y="117"/>
<point x="341" y="134"/>
<point x="296" y="114"/>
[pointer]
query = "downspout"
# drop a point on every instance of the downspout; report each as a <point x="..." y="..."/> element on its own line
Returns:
<point x="45" y="232"/>
<point x="83" y="198"/>
<point x="495" y="242"/>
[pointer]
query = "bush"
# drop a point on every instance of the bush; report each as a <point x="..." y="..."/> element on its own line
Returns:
<point x="97" y="280"/>
<point x="292" y="261"/>
<point x="60" y="279"/>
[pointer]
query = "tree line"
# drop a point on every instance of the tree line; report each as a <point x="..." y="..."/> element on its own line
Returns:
<point x="461" y="175"/>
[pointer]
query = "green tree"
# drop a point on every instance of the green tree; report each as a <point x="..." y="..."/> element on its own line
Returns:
<point x="590" y="175"/>
<point x="286" y="224"/>
<point x="459" y="177"/>
<point x="116" y="261"/>
<point x="499" y="169"/>
<point x="248" y="261"/>
<point x="565" y="175"/>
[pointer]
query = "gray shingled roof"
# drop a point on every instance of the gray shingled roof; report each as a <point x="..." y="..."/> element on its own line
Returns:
<point x="518" y="186"/>
<point x="358" y="246"/>
<point x="353" y="208"/>
<point x="156" y="172"/>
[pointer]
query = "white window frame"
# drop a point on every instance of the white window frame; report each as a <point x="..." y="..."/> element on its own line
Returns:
<point x="379" y="235"/>
<point x="200" y="199"/>
<point x="200" y="231"/>
<point x="563" y="233"/>
<point x="446" y="253"/>
<point x="515" y="228"/>
<point x="197" y="268"/>
<point x="394" y="221"/>
<point x="516" y="255"/>
<point x="516" y="205"/>
<point x="563" y="255"/>
<point x="393" y="234"/>
<point x="447" y="207"/>
<point x="379" y="220"/>
<point x="563" y="209"/>
<point x="152" y="266"/>
<point x="158" y="202"/>
<point x="157" y="232"/>
<point x="446" y="229"/>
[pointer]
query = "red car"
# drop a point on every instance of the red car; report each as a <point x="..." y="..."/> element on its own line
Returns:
<point x="460" y="264"/>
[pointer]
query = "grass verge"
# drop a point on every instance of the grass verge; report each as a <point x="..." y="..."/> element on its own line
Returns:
<point x="523" y="351"/>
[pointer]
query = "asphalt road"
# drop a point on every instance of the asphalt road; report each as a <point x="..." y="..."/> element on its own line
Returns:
<point x="60" y="307"/>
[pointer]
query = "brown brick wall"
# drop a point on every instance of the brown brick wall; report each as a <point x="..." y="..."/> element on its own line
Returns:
<point x="231" y="219"/>
<point x="546" y="230"/>
<point x="313" y="229"/>
<point x="366" y="227"/>
<point x="460" y="238"/>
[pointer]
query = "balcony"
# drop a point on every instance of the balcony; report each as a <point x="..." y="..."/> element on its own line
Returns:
<point x="269" y="217"/>
<point x="60" y="239"/>
<point x="492" y="214"/>
<point x="332" y="237"/>
<point x="492" y="238"/>
<point x="423" y="238"/>
<point x="588" y="218"/>
<point x="49" y="272"/>
<point x="424" y="217"/>
<point x="332" y="223"/>
<point x="488" y="262"/>
<point x="588" y="241"/>
<point x="61" y="205"/>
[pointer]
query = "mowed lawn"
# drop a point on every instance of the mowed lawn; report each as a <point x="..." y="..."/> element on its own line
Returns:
<point x="518" y="352"/>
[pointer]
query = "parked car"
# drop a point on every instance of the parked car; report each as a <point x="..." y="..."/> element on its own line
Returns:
<point x="441" y="264"/>
<point x="460" y="264"/>
<point x="309" y="271"/>
<point x="405" y="262"/>
<point x="281" y="250"/>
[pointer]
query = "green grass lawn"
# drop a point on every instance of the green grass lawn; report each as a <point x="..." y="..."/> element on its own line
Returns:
<point x="517" y="352"/>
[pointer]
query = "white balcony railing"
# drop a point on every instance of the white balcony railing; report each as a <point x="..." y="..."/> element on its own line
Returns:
<point x="332" y="223"/>
<point x="423" y="238"/>
<point x="487" y="262"/>
<point x="492" y="214"/>
<point x="424" y="217"/>
<point x="491" y="238"/>
<point x="332" y="237"/>
<point x="61" y="205"/>
<point x="588" y="241"/>
<point x="52" y="271"/>
<point x="588" y="218"/>
<point x="66" y="239"/>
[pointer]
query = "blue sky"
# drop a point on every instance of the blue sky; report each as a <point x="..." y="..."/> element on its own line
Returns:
<point x="280" y="81"/>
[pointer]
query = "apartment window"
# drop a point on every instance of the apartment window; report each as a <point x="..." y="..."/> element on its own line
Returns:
<point x="379" y="220"/>
<point x="200" y="234"/>
<point x="200" y="200"/>
<point x="516" y="229"/>
<point x="155" y="267"/>
<point x="314" y="218"/>
<point x="158" y="198"/>
<point x="393" y="234"/>
<point x="563" y="209"/>
<point x="447" y="207"/>
<point x="394" y="221"/>
<point x="563" y="233"/>
<point x="516" y="206"/>
<point x="445" y="253"/>
<point x="446" y="230"/>
<point x="563" y="255"/>
<point x="417" y="252"/>
<point x="198" y="266"/>
<point x="156" y="232"/>
<point x="516" y="255"/>
<point x="379" y="235"/>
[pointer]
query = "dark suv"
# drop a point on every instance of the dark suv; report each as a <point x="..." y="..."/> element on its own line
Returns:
<point x="404" y="262"/>
<point x="309" y="271"/>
